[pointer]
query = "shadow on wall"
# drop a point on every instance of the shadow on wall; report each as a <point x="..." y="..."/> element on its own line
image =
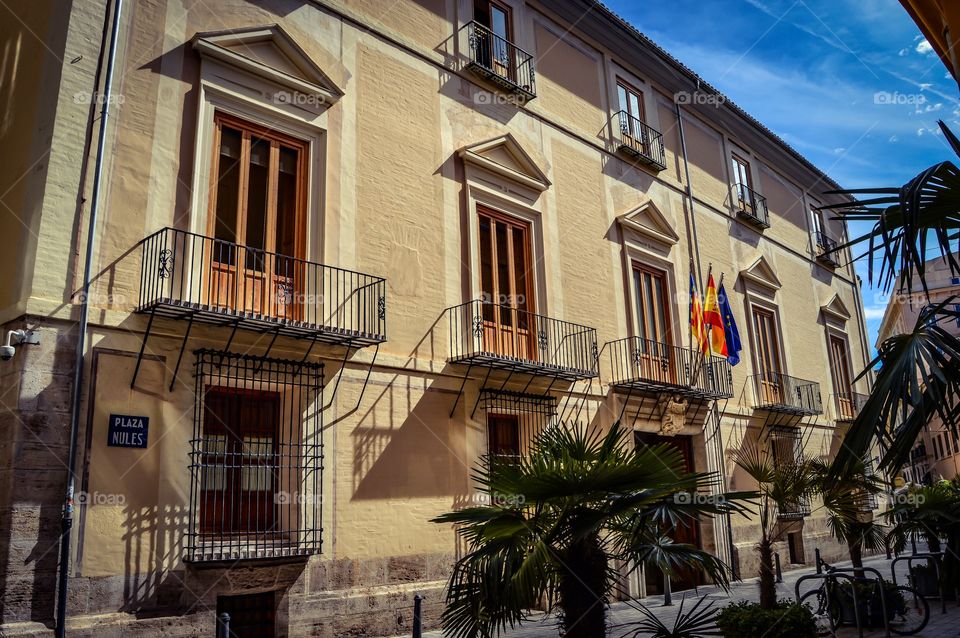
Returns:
<point x="153" y="540"/>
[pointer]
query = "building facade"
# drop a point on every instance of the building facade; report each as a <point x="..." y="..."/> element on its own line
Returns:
<point x="344" y="249"/>
<point x="936" y="454"/>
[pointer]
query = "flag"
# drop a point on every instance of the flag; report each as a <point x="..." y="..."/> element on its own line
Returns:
<point x="711" y="317"/>
<point x="698" y="332"/>
<point x="731" y="334"/>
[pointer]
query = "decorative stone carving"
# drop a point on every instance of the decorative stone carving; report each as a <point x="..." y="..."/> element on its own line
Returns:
<point x="674" y="417"/>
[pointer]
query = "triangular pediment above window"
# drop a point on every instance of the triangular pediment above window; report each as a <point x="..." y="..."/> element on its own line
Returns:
<point x="836" y="309"/>
<point x="504" y="156"/>
<point x="269" y="53"/>
<point x="647" y="220"/>
<point x="761" y="273"/>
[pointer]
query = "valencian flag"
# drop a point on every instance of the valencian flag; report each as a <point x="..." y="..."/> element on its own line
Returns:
<point x="731" y="334"/>
<point x="698" y="332"/>
<point x="713" y="320"/>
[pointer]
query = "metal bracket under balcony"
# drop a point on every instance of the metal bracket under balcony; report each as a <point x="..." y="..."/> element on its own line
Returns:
<point x="641" y="365"/>
<point x="826" y="250"/>
<point x="775" y="392"/>
<point x="500" y="61"/>
<point x="188" y="276"/>
<point x="503" y="337"/>
<point x="640" y="141"/>
<point x="751" y="206"/>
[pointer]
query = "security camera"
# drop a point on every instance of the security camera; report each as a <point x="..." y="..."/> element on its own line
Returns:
<point x="7" y="350"/>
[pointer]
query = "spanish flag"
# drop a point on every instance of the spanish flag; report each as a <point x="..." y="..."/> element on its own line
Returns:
<point x="698" y="332"/>
<point x="714" y="320"/>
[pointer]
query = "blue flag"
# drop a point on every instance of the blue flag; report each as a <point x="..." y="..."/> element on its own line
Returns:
<point x="730" y="331"/>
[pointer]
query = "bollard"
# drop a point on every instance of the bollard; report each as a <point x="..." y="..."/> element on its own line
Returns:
<point x="776" y="560"/>
<point x="816" y="553"/>
<point x="417" y="616"/>
<point x="667" y="594"/>
<point x="223" y="625"/>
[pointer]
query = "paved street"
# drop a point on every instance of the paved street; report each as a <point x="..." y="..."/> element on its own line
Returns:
<point x="940" y="626"/>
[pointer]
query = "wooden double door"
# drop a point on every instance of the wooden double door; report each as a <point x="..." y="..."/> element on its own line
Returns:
<point x="770" y="383"/>
<point x="688" y="533"/>
<point x="842" y="379"/>
<point x="509" y="326"/>
<point x="653" y="355"/>
<point x="257" y="216"/>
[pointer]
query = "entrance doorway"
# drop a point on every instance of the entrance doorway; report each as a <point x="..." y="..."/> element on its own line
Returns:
<point x="251" y="615"/>
<point x="688" y="533"/>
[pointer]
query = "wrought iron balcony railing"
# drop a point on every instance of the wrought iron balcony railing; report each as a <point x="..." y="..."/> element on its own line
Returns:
<point x="751" y="206"/>
<point x="848" y="405"/>
<point x="500" y="61"/>
<point x="498" y="336"/>
<point x="635" y="138"/>
<point x="185" y="275"/>
<point x="826" y="249"/>
<point x="794" y="510"/>
<point x="778" y="392"/>
<point x="645" y="365"/>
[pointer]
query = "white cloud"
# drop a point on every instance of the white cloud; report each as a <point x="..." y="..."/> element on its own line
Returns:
<point x="893" y="139"/>
<point x="923" y="47"/>
<point x="874" y="312"/>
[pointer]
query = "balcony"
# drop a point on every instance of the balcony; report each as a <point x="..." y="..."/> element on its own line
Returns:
<point x="848" y="405"/>
<point x="826" y="249"/>
<point x="640" y="141"/>
<point x="500" y="61"/>
<point x="751" y="206"/>
<point x="776" y="392"/>
<point x="795" y="510"/>
<point x="188" y="276"/>
<point x="647" y="366"/>
<point x="495" y="336"/>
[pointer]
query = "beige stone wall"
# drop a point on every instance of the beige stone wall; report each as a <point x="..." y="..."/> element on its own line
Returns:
<point x="393" y="199"/>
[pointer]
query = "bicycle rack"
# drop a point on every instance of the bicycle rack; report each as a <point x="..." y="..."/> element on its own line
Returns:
<point x="839" y="573"/>
<point x="936" y="556"/>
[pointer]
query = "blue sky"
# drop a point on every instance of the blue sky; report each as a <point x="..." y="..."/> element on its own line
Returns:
<point x="851" y="84"/>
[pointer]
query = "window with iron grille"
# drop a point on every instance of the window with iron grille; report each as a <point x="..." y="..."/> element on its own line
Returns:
<point x="256" y="458"/>
<point x="786" y="448"/>
<point x="514" y="420"/>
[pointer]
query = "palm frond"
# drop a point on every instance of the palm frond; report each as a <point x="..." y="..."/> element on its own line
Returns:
<point x="698" y="621"/>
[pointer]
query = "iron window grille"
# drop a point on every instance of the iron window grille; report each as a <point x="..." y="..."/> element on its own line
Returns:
<point x="751" y="206"/>
<point x="514" y="420"/>
<point x="186" y="275"/>
<point x="636" y="138"/>
<point x="500" y="61"/>
<point x="777" y="392"/>
<point x="786" y="448"/>
<point x="256" y="458"/>
<point x="826" y="249"/>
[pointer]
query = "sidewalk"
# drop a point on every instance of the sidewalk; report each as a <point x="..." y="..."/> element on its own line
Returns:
<point x="940" y="626"/>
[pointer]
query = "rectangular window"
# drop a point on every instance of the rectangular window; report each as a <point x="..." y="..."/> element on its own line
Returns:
<point x="741" y="176"/>
<point x="816" y="219"/>
<point x="239" y="460"/>
<point x="630" y="100"/>
<point x="653" y="355"/>
<point x="768" y="356"/>
<point x="506" y="283"/>
<point x="842" y="380"/>
<point x="497" y="51"/>
<point x="257" y="219"/>
<point x="503" y="432"/>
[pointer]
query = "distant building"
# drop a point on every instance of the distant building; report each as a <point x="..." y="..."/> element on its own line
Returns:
<point x="936" y="454"/>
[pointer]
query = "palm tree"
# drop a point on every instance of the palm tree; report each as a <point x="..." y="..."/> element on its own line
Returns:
<point x="931" y="512"/>
<point x="784" y="489"/>
<point x="553" y="524"/>
<point x="923" y="213"/>
<point x="847" y="505"/>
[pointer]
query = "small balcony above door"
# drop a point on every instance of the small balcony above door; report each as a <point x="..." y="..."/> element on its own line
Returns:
<point x="638" y="140"/>
<point x="643" y="365"/>
<point x="825" y="248"/>
<point x="184" y="275"/>
<point x="750" y="205"/>
<point x="503" y="337"/>
<point x="848" y="405"/>
<point x="776" y="392"/>
<point x="492" y="56"/>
